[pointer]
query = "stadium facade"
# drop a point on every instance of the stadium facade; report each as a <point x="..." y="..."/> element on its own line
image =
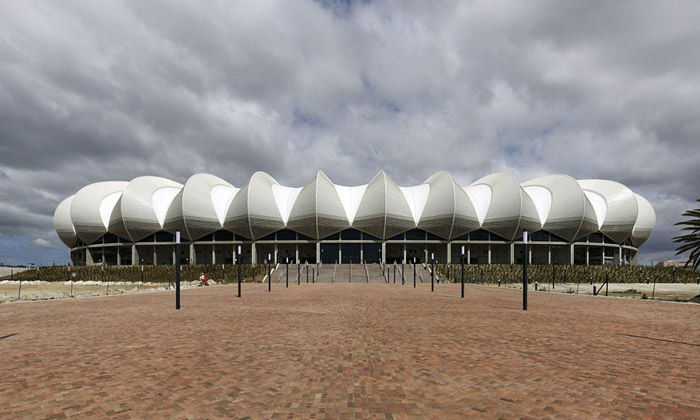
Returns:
<point x="587" y="222"/>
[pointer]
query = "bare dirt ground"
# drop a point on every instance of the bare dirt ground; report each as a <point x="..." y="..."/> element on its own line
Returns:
<point x="661" y="291"/>
<point x="43" y="290"/>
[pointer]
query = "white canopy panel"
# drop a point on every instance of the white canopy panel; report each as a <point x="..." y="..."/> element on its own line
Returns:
<point x="497" y="203"/>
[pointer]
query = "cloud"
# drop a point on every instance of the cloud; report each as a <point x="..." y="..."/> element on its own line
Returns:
<point x="111" y="91"/>
<point x="43" y="243"/>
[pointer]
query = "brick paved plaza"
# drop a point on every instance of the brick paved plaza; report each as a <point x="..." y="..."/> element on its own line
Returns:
<point x="372" y="351"/>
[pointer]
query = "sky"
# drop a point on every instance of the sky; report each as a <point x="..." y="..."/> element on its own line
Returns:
<point x="112" y="90"/>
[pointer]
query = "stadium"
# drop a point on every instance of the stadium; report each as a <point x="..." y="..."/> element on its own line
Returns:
<point x="581" y="222"/>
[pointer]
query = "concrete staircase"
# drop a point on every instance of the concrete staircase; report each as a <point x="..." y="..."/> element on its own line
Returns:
<point x="349" y="273"/>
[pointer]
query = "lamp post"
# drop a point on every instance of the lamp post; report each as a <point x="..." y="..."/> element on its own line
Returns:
<point x="240" y="270"/>
<point x="269" y="272"/>
<point x="394" y="271"/>
<point x="554" y="264"/>
<point x="524" y="270"/>
<point x="286" y="261"/>
<point x="462" y="271"/>
<point x="177" y="269"/>
<point x="432" y="272"/>
<point x="414" y="272"/>
<point x="298" y="272"/>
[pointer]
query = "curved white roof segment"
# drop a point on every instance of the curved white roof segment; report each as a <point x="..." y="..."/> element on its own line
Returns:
<point x="510" y="208"/>
<point x="92" y="208"/>
<point x="449" y="211"/>
<point x="150" y="204"/>
<point x="645" y="223"/>
<point x="559" y="204"/>
<point x="254" y="211"/>
<point x="614" y="205"/>
<point x="318" y="211"/>
<point x="63" y="224"/>
<point x="205" y="199"/>
<point x="383" y="211"/>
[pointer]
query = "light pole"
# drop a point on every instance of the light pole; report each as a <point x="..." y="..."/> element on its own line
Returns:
<point x="524" y="270"/>
<point x="462" y="271"/>
<point x="177" y="269"/>
<point x="269" y="272"/>
<point x="432" y="272"/>
<point x="414" y="272"/>
<point x="286" y="261"/>
<point x="554" y="263"/>
<point x="240" y="270"/>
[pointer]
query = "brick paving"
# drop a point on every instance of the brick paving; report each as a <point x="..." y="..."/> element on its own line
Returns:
<point x="342" y="351"/>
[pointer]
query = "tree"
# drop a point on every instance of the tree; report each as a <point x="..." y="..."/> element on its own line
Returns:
<point x="690" y="241"/>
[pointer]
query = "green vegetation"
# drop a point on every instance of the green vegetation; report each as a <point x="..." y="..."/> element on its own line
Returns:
<point x="151" y="274"/>
<point x="691" y="241"/>
<point x="574" y="274"/>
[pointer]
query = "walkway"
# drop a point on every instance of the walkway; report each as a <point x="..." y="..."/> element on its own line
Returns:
<point x="365" y="351"/>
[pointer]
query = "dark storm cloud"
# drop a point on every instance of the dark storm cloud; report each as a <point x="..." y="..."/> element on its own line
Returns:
<point x="93" y="91"/>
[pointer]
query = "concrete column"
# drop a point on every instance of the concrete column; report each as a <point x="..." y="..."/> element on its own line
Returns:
<point x="253" y="254"/>
<point x="449" y="253"/>
<point x="119" y="256"/>
<point x="275" y="256"/>
<point x="603" y="256"/>
<point x="489" y="255"/>
<point x="425" y="252"/>
<point x="383" y="253"/>
<point x="174" y="256"/>
<point x="529" y="255"/>
<point x="469" y="255"/>
<point x="549" y="255"/>
<point x="619" y="255"/>
<point x="512" y="253"/>
<point x="213" y="254"/>
<point x="155" y="255"/>
<point x="571" y="254"/>
<point x="588" y="255"/>
<point x="193" y="256"/>
<point x="318" y="252"/>
<point x="340" y="255"/>
<point x="296" y="252"/>
<point x="134" y="255"/>
<point x="404" y="252"/>
<point x="362" y="253"/>
<point x="89" y="260"/>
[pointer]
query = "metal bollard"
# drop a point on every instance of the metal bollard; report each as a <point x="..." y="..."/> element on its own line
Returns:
<point x="535" y="286"/>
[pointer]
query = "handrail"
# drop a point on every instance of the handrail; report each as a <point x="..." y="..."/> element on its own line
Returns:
<point x="366" y="271"/>
<point x="279" y="279"/>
